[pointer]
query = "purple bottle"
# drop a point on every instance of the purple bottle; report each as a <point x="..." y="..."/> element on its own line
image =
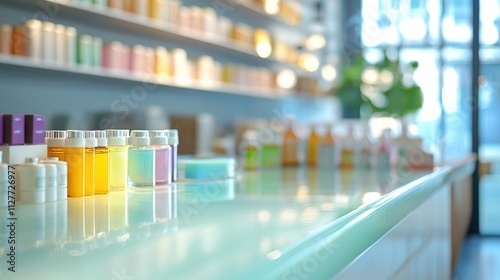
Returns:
<point x="163" y="156"/>
<point x="173" y="142"/>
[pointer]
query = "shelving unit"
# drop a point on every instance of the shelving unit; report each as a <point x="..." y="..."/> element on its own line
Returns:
<point x="118" y="20"/>
<point x="246" y="9"/>
<point x="99" y="73"/>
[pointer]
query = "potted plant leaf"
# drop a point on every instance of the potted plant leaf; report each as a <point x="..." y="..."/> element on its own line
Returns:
<point x="383" y="89"/>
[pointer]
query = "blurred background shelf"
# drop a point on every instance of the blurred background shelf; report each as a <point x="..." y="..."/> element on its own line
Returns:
<point x="122" y="21"/>
<point x="99" y="73"/>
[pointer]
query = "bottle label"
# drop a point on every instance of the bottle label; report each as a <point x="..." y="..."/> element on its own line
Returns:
<point x="290" y="152"/>
<point x="39" y="183"/>
<point x="346" y="158"/>
<point x="251" y="157"/>
<point x="63" y="181"/>
<point x="52" y="182"/>
<point x="270" y="156"/>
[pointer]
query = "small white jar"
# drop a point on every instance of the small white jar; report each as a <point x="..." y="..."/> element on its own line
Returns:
<point x="31" y="181"/>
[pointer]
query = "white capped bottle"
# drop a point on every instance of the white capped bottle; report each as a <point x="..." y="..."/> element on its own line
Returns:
<point x="50" y="182"/>
<point x="31" y="181"/>
<point x="4" y="183"/>
<point x="62" y="176"/>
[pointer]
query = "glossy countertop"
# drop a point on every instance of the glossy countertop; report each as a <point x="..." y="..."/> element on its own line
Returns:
<point x="270" y="224"/>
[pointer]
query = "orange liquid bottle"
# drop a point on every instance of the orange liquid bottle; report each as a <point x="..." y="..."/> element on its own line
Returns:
<point x="75" y="157"/>
<point x="55" y="144"/>
<point x="312" y="156"/>
<point x="289" y="155"/>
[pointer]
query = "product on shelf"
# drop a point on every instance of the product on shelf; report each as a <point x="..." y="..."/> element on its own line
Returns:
<point x="56" y="143"/>
<point x="382" y="153"/>
<point x="312" y="151"/>
<point x="206" y="168"/>
<point x="163" y="156"/>
<point x="50" y="181"/>
<point x="327" y="149"/>
<point x="36" y="42"/>
<point x="75" y="157"/>
<point x="48" y="39"/>
<point x="90" y="146"/>
<point x="62" y="176"/>
<point x="363" y="154"/>
<point x="4" y="182"/>
<point x="5" y="38"/>
<point x="250" y="150"/>
<point x="13" y="129"/>
<point x="101" y="176"/>
<point x="173" y="142"/>
<point x="162" y="62"/>
<point x="34" y="129"/>
<point x="290" y="146"/>
<point x="347" y="150"/>
<point x="118" y="155"/>
<point x="18" y="40"/>
<point x="141" y="160"/>
<point x="59" y="44"/>
<point x="31" y="181"/>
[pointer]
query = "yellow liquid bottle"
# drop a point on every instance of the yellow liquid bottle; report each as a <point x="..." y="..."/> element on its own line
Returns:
<point x="347" y="152"/>
<point x="101" y="173"/>
<point x="312" y="156"/>
<point x="90" y="144"/>
<point x="117" y="159"/>
<point x="75" y="157"/>
<point x="55" y="144"/>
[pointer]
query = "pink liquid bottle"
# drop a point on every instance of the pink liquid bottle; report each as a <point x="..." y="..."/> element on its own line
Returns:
<point x="163" y="156"/>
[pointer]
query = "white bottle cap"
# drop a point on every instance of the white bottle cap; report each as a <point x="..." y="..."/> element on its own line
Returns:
<point x="52" y="159"/>
<point x="75" y="138"/>
<point x="250" y="135"/>
<point x="90" y="140"/>
<point x="117" y="137"/>
<point x="102" y="141"/>
<point x="139" y="138"/>
<point x="31" y="160"/>
<point x="158" y="137"/>
<point x="173" y="136"/>
<point x="56" y="138"/>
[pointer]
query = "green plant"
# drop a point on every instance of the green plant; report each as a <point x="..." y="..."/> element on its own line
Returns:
<point x="385" y="88"/>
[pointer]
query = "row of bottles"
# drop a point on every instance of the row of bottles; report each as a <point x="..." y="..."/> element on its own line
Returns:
<point x="103" y="161"/>
<point x="328" y="150"/>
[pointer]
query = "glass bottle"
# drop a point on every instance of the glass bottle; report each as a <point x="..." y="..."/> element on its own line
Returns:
<point x="56" y="143"/>
<point x="173" y="142"/>
<point x="312" y="155"/>
<point x="289" y="155"/>
<point x="163" y="156"/>
<point x="75" y="157"/>
<point x="101" y="173"/>
<point x="347" y="150"/>
<point x="250" y="150"/>
<point x="117" y="158"/>
<point x="270" y="150"/>
<point x="326" y="149"/>
<point x="141" y="160"/>
<point x="90" y="145"/>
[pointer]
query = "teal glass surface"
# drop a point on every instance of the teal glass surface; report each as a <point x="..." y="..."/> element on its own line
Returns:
<point x="258" y="225"/>
<point x="141" y="166"/>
